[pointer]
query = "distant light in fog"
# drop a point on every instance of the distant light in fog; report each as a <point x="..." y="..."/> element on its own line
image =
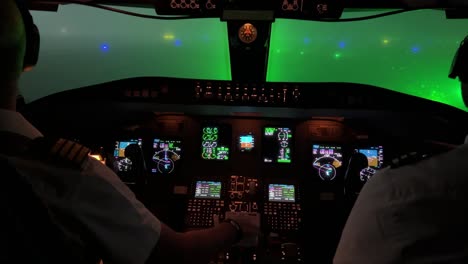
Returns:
<point x="168" y="36"/>
<point x="178" y="42"/>
<point x="415" y="49"/>
<point x="104" y="47"/>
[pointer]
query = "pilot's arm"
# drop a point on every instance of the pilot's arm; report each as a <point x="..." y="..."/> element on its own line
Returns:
<point x="96" y="207"/>
<point x="129" y="233"/>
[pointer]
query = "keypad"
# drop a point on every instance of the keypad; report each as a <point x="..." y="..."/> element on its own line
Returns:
<point x="283" y="216"/>
<point x="200" y="212"/>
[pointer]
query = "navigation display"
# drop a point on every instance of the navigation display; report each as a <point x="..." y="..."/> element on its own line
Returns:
<point x="277" y="144"/>
<point x="246" y="142"/>
<point x="216" y="142"/>
<point x="375" y="159"/>
<point x="166" y="154"/>
<point x="208" y="189"/>
<point x="281" y="193"/>
<point x="122" y="163"/>
<point x="326" y="159"/>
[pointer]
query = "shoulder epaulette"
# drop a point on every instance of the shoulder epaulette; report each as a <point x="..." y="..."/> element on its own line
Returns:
<point x="61" y="151"/>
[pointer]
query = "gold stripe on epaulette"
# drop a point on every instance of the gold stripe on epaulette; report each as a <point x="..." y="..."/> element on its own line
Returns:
<point x="58" y="145"/>
<point x="74" y="151"/>
<point x="64" y="151"/>
<point x="81" y="156"/>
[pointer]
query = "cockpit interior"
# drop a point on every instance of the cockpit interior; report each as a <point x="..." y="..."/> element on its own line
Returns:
<point x="284" y="108"/>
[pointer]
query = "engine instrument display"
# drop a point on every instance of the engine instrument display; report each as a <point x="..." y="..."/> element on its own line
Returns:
<point x="121" y="162"/>
<point x="208" y="189"/>
<point x="277" y="144"/>
<point x="166" y="154"/>
<point x="246" y="142"/>
<point x="216" y="142"/>
<point x="375" y="161"/>
<point x="281" y="193"/>
<point x="327" y="159"/>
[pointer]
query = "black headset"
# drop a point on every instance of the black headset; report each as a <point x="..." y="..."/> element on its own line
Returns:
<point x="460" y="62"/>
<point x="31" y="54"/>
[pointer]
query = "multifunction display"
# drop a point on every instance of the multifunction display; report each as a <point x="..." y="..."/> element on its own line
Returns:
<point x="246" y="142"/>
<point x="326" y="159"/>
<point x="375" y="159"/>
<point x="216" y="142"/>
<point x="121" y="162"/>
<point x="208" y="189"/>
<point x="281" y="193"/>
<point x="277" y="145"/>
<point x="166" y="153"/>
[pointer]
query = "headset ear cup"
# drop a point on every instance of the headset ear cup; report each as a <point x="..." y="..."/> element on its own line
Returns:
<point x="31" y="55"/>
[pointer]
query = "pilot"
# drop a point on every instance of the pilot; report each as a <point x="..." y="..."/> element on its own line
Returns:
<point x="417" y="213"/>
<point x="93" y="195"/>
<point x="414" y="214"/>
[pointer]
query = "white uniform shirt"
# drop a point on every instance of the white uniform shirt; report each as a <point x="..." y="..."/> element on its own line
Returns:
<point x="95" y="196"/>
<point x="414" y="214"/>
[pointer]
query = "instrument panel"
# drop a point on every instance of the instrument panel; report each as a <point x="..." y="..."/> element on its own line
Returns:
<point x="189" y="159"/>
<point x="257" y="150"/>
<point x="277" y="168"/>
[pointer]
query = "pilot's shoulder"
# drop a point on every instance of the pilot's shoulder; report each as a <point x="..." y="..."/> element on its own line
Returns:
<point x="59" y="151"/>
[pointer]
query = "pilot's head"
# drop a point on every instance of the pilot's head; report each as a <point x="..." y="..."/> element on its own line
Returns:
<point x="460" y="68"/>
<point x="19" y="47"/>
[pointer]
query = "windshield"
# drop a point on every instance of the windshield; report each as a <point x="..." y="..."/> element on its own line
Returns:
<point x="409" y="53"/>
